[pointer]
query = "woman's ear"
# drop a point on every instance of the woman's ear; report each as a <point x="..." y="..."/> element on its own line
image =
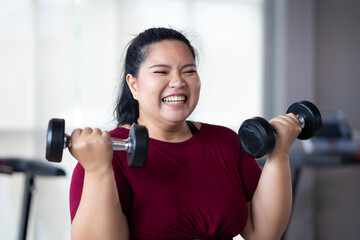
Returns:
<point x="131" y="81"/>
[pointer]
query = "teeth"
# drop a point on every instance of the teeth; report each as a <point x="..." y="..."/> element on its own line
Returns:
<point x="174" y="99"/>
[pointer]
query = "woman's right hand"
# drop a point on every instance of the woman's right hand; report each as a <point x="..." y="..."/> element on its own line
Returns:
<point x="92" y="148"/>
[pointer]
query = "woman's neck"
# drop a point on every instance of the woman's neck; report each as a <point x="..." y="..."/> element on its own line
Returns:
<point x="168" y="132"/>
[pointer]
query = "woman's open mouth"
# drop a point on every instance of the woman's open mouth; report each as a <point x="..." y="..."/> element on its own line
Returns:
<point x="174" y="99"/>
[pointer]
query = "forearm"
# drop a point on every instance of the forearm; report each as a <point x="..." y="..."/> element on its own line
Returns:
<point x="99" y="215"/>
<point x="271" y="204"/>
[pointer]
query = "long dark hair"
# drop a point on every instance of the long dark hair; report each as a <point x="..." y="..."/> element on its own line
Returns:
<point x="127" y="108"/>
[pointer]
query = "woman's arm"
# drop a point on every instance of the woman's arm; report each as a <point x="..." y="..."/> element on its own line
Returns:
<point x="99" y="215"/>
<point x="270" y="207"/>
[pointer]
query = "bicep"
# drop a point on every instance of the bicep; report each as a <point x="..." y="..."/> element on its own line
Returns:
<point x="77" y="182"/>
<point x="248" y="231"/>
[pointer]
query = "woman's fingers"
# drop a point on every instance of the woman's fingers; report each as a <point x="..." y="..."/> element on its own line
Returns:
<point x="91" y="147"/>
<point x="287" y="128"/>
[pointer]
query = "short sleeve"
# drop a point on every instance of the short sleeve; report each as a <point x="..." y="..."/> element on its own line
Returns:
<point x="77" y="182"/>
<point x="76" y="186"/>
<point x="250" y="172"/>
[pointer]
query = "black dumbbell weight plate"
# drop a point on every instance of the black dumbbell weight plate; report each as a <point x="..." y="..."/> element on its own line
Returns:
<point x="139" y="140"/>
<point x="256" y="137"/>
<point x="55" y="140"/>
<point x="311" y="115"/>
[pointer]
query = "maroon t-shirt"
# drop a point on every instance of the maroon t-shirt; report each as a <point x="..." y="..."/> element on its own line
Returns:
<point x="196" y="189"/>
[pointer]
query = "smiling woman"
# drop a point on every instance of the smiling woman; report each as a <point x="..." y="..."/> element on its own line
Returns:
<point x="154" y="72"/>
<point x="198" y="183"/>
<point x="160" y="89"/>
<point x="166" y="76"/>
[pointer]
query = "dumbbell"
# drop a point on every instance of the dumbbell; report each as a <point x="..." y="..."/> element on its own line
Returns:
<point x="136" y="145"/>
<point x="257" y="137"/>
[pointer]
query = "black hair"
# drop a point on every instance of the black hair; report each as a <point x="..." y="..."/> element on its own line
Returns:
<point x="127" y="108"/>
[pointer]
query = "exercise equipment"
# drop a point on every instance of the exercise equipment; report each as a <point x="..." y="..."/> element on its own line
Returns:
<point x="257" y="137"/>
<point x="136" y="145"/>
<point x="31" y="168"/>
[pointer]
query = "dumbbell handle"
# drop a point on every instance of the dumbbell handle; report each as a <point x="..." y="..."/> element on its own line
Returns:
<point x="117" y="143"/>
<point x="301" y="120"/>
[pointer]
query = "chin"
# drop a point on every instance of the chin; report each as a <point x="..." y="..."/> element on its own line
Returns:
<point x="177" y="119"/>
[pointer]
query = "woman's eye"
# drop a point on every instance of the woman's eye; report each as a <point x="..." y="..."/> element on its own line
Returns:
<point x="191" y="71"/>
<point x="160" y="72"/>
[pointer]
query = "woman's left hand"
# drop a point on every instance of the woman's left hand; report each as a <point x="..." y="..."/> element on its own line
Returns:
<point x="287" y="128"/>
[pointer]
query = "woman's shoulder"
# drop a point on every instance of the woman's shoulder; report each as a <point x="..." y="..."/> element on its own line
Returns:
<point x="120" y="131"/>
<point x="217" y="129"/>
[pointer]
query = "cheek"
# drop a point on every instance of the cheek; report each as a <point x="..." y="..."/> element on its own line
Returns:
<point x="195" y="92"/>
<point x="149" y="89"/>
<point x="197" y="86"/>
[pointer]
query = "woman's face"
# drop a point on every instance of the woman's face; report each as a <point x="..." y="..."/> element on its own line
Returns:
<point x="167" y="86"/>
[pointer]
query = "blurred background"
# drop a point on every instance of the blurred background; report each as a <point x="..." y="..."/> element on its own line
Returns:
<point x="63" y="58"/>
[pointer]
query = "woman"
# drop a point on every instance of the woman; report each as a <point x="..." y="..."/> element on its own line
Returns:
<point x="197" y="182"/>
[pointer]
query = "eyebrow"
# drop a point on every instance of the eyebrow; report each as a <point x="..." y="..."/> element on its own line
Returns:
<point x="167" y="66"/>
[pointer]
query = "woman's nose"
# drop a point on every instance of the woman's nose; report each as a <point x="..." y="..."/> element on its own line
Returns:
<point x="176" y="82"/>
